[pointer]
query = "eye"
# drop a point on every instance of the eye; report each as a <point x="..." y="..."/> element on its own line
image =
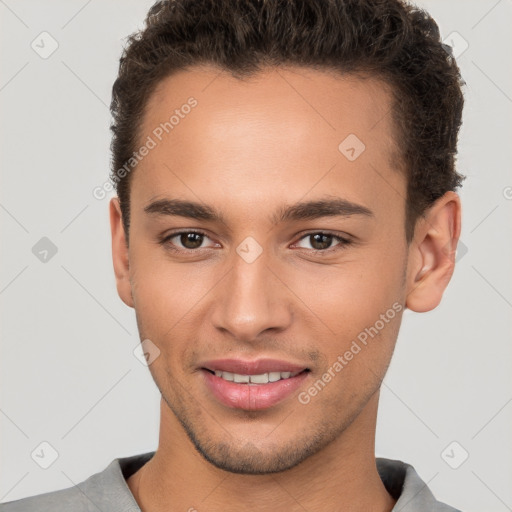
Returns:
<point x="185" y="240"/>
<point x="322" y="241"/>
<point x="189" y="241"/>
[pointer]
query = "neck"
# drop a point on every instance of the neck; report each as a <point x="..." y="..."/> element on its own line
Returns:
<point x="341" y="477"/>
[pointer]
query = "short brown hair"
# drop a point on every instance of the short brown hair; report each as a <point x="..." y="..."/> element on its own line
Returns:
<point x="387" y="39"/>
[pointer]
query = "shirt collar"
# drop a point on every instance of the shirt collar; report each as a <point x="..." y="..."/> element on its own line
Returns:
<point x="400" y="479"/>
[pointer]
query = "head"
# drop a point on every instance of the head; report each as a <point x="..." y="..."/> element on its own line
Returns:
<point x="317" y="141"/>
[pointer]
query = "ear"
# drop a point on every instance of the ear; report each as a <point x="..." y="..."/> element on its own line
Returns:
<point x="431" y="260"/>
<point x="120" y="254"/>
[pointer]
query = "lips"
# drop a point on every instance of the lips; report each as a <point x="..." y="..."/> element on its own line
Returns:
<point x="252" y="385"/>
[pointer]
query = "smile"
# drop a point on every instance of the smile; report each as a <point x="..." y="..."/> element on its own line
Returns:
<point x="263" y="378"/>
<point x="252" y="392"/>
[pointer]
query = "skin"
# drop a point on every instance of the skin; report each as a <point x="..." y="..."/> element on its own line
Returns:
<point x="247" y="149"/>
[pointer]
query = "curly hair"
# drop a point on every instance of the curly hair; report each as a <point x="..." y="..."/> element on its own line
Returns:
<point x="387" y="39"/>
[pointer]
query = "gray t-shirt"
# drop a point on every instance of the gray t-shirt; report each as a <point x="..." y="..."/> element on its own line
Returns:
<point x="107" y="491"/>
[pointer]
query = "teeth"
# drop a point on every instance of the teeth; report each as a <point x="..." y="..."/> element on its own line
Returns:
<point x="260" y="379"/>
<point x="274" y="376"/>
<point x="263" y="378"/>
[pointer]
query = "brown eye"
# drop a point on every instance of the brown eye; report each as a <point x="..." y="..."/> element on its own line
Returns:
<point x="184" y="241"/>
<point x="191" y="240"/>
<point x="320" y="241"/>
<point x="323" y="242"/>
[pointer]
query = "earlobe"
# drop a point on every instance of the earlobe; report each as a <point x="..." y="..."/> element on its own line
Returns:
<point x="431" y="259"/>
<point x="120" y="254"/>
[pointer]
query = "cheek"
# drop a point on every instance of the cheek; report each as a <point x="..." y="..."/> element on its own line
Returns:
<point x="351" y="296"/>
<point x="163" y="288"/>
<point x="357" y="360"/>
<point x="358" y="308"/>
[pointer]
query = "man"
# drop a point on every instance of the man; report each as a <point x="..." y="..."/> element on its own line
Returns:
<point x="286" y="188"/>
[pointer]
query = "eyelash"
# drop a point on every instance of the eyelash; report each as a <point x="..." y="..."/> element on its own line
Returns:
<point x="344" y="242"/>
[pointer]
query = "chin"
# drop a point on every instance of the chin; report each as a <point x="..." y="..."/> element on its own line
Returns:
<point x="250" y="460"/>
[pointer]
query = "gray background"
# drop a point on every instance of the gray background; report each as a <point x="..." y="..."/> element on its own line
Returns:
<point x="68" y="373"/>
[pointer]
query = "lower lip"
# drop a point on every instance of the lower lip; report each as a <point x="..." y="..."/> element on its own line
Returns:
<point x="252" y="397"/>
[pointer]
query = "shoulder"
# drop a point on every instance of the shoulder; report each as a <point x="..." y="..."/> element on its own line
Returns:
<point x="106" y="491"/>
<point x="64" y="499"/>
<point x="405" y="485"/>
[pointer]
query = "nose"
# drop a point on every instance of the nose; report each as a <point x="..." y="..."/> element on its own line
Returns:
<point x="252" y="299"/>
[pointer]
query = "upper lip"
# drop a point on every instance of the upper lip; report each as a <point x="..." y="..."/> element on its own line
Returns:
<point x="257" y="367"/>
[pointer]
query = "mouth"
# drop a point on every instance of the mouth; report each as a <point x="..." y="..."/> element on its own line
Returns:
<point x="253" y="385"/>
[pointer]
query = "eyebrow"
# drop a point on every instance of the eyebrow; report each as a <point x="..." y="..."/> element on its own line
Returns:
<point x="309" y="210"/>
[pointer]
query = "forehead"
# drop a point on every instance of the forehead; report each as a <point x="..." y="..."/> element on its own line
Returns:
<point x="280" y="131"/>
<point x="291" y="98"/>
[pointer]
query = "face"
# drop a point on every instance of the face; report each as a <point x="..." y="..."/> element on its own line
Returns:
<point x="292" y="258"/>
